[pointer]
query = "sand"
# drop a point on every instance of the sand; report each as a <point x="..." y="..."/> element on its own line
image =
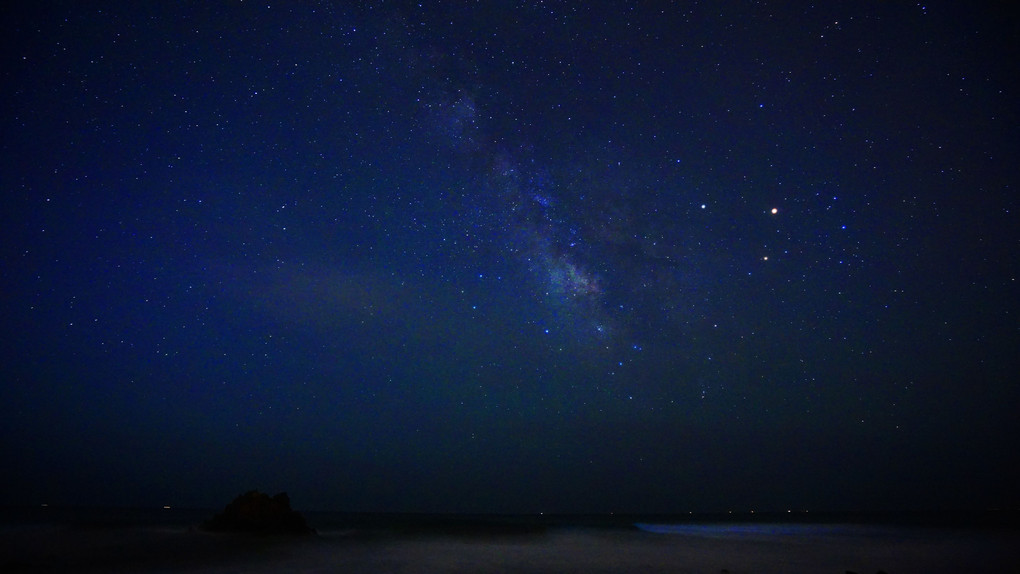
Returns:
<point x="63" y="549"/>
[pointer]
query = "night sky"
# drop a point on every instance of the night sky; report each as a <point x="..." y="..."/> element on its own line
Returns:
<point x="510" y="256"/>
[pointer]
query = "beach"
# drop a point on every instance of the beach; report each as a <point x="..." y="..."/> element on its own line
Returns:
<point x="732" y="548"/>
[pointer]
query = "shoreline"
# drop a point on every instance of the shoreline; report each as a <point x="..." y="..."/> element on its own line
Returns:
<point x="461" y="547"/>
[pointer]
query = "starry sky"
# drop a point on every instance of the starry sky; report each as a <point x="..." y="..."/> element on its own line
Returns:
<point x="510" y="256"/>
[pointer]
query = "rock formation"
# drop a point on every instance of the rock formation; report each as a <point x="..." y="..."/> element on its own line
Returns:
<point x="257" y="512"/>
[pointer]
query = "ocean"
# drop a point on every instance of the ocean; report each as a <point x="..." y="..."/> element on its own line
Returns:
<point x="169" y="540"/>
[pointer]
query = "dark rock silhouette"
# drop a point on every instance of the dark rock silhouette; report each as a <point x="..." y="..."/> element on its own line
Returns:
<point x="257" y="512"/>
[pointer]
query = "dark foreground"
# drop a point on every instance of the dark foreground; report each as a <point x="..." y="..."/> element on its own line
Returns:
<point x="514" y="546"/>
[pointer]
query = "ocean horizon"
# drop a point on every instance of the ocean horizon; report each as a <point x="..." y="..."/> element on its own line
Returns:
<point x="168" y="515"/>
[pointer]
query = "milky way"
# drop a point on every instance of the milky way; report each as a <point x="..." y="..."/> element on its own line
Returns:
<point x="514" y="257"/>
